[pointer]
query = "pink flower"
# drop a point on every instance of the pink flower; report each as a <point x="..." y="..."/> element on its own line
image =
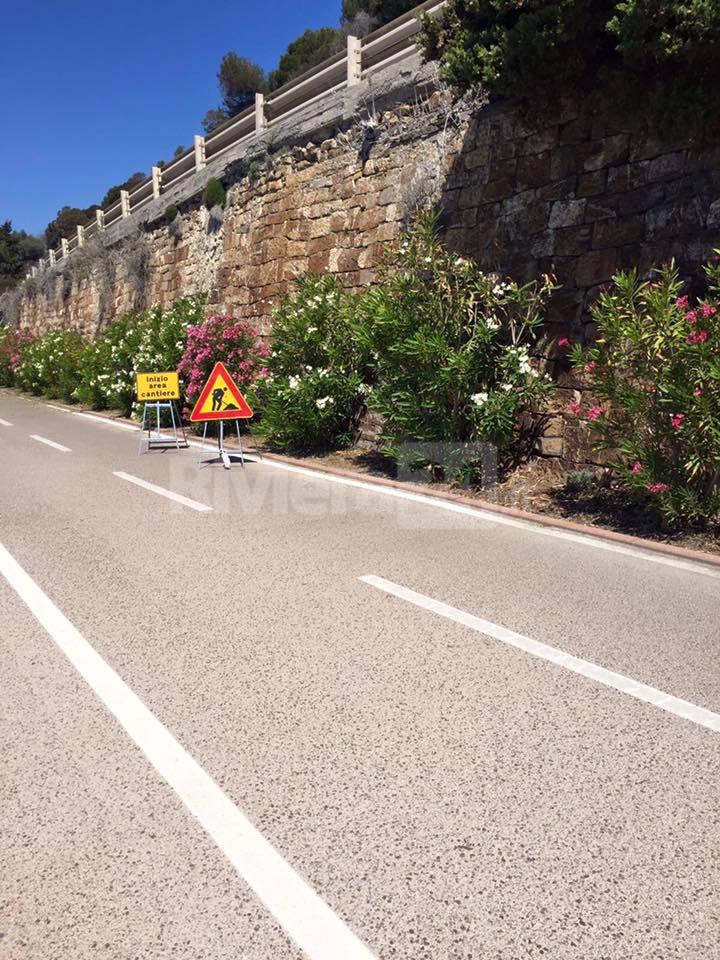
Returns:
<point x="691" y="316"/>
<point x="697" y="392"/>
<point x="637" y="467"/>
<point x="696" y="337"/>
<point x="589" y="367"/>
<point x="563" y="342"/>
<point x="574" y="407"/>
<point x="594" y="413"/>
<point x="707" y="310"/>
<point x="682" y="302"/>
<point x="676" y="420"/>
<point x="656" y="487"/>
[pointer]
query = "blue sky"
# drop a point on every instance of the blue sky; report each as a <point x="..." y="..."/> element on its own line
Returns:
<point x="93" y="91"/>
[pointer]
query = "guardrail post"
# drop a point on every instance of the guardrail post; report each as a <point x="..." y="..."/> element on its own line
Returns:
<point x="34" y="270"/>
<point x="100" y="218"/>
<point x="51" y="256"/>
<point x="64" y="248"/>
<point x="157" y="181"/>
<point x="81" y="236"/>
<point x="354" y="61"/>
<point x="260" y="120"/>
<point x="199" y="152"/>
<point x="124" y="203"/>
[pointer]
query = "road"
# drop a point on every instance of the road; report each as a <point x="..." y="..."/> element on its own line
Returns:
<point x="288" y="716"/>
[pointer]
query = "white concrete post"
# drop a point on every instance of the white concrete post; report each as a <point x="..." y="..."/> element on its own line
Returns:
<point x="157" y="181"/>
<point x="99" y="218"/>
<point x="81" y="236"/>
<point x="260" y="121"/>
<point x="51" y="256"/>
<point x="124" y="203"/>
<point x="64" y="248"/>
<point x="199" y="152"/>
<point x="354" y="61"/>
<point x="34" y="270"/>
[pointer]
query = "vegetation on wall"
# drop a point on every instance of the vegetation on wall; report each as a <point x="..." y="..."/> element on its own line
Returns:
<point x="654" y="374"/>
<point x="662" y="50"/>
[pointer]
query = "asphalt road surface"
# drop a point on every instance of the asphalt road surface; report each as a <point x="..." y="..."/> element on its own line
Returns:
<point x="282" y="716"/>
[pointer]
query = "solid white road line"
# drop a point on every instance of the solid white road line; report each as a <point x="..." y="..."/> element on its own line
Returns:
<point x="681" y="708"/>
<point x="50" y="443"/>
<point x="306" y="918"/>
<point x="478" y="513"/>
<point x="5" y="423"/>
<point x="178" y="497"/>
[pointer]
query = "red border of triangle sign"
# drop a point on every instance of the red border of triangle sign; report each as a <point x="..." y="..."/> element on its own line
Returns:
<point x="240" y="409"/>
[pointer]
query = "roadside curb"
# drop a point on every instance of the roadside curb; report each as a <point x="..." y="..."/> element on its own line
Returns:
<point x="515" y="513"/>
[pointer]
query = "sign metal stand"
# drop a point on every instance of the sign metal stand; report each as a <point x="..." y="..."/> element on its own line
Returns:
<point x="224" y="455"/>
<point x="158" y="439"/>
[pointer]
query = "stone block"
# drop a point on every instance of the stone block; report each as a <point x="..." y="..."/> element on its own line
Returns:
<point x="591" y="184"/>
<point x="533" y="170"/>
<point x="572" y="241"/>
<point x="597" y="266"/>
<point x="609" y="150"/>
<point x="567" y="213"/>
<point x="618" y="232"/>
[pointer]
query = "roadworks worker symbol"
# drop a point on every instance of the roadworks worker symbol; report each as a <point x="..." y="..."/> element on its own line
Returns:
<point x="220" y="399"/>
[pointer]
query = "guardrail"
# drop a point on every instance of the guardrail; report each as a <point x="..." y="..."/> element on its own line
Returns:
<point x="361" y="59"/>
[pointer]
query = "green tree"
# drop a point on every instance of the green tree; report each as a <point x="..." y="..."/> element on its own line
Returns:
<point x="379" y="11"/>
<point x="239" y="80"/>
<point x="65" y="224"/>
<point x="310" y="48"/>
<point x="113" y="193"/>
<point x="11" y="257"/>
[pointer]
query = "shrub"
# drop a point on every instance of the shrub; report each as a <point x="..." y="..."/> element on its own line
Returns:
<point x="107" y="369"/>
<point x="171" y="211"/>
<point x="214" y="194"/>
<point x="49" y="365"/>
<point x="235" y="342"/>
<point x="136" y="342"/>
<point x="661" y="50"/>
<point x="314" y="391"/>
<point x="655" y="379"/>
<point x="451" y="348"/>
<point x="12" y="344"/>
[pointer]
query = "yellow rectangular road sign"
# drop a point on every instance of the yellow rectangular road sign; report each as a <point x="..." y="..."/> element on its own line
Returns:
<point x="157" y="386"/>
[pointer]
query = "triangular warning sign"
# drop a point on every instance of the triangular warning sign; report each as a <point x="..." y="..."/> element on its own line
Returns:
<point x="220" y="399"/>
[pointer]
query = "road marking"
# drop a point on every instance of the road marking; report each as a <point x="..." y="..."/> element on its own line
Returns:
<point x="50" y="443"/>
<point x="5" y="423"/>
<point x="681" y="708"/>
<point x="638" y="553"/>
<point x="178" y="497"/>
<point x="305" y="917"/>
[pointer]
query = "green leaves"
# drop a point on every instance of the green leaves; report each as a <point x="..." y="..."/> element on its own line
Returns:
<point x="655" y="372"/>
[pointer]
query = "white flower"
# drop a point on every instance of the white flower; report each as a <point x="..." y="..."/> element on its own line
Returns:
<point x="479" y="399"/>
<point x="492" y="323"/>
<point x="323" y="402"/>
<point x="507" y="387"/>
<point x="294" y="383"/>
<point x="311" y="329"/>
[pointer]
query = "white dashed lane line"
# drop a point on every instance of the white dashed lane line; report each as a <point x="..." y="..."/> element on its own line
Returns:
<point x="633" y="688"/>
<point x="50" y="443"/>
<point x="303" y="914"/>
<point x="171" y="495"/>
<point x="5" y="423"/>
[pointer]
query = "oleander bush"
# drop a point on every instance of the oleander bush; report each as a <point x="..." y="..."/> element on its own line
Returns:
<point x="12" y="343"/>
<point x="451" y="350"/>
<point x="654" y="374"/>
<point x="49" y="365"/>
<point x="662" y="51"/>
<point x="236" y="343"/>
<point x="314" y="393"/>
<point x="214" y="193"/>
